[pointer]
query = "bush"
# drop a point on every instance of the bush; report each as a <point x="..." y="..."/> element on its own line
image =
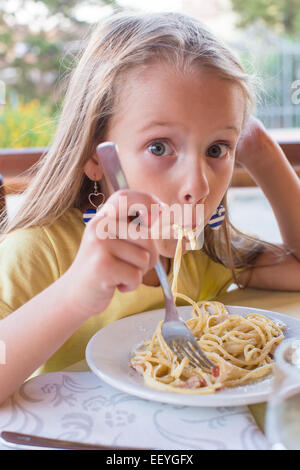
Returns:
<point x="30" y="124"/>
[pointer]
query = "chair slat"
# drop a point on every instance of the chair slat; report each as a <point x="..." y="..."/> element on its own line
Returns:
<point x="2" y="198"/>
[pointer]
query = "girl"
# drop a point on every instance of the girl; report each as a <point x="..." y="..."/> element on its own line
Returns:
<point x="178" y="104"/>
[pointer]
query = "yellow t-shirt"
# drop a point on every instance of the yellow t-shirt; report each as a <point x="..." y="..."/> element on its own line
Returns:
<point x="33" y="258"/>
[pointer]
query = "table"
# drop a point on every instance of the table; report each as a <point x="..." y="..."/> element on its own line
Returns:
<point x="72" y="404"/>
<point x="278" y="301"/>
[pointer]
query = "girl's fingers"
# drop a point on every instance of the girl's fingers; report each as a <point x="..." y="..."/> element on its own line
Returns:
<point x="109" y="231"/>
<point x="111" y="228"/>
<point x="120" y="235"/>
<point x="123" y="275"/>
<point x="137" y="256"/>
<point x="124" y="203"/>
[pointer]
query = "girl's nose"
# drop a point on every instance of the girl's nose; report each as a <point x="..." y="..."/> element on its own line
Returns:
<point x="188" y="197"/>
<point x="194" y="187"/>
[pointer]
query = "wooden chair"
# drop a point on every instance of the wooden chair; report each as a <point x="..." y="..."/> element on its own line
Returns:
<point x="2" y="198"/>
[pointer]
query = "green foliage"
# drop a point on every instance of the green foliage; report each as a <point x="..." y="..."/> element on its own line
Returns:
<point x="39" y="59"/>
<point x="282" y="16"/>
<point x="29" y="124"/>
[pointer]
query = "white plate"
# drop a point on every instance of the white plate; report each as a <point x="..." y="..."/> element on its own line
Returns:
<point x="110" y="349"/>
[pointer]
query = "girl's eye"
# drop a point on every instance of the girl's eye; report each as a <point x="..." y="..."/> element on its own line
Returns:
<point x="159" y="149"/>
<point x="215" y="151"/>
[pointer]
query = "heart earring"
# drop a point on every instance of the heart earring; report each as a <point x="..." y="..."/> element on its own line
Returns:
<point x="90" y="213"/>
<point x="217" y="218"/>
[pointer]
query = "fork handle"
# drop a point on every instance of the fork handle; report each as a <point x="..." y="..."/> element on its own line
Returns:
<point x="171" y="312"/>
<point x="108" y="155"/>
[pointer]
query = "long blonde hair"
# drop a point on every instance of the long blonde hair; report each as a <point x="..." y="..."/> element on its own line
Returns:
<point x="120" y="43"/>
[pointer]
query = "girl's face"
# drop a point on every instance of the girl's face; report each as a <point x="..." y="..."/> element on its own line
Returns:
<point x="176" y="134"/>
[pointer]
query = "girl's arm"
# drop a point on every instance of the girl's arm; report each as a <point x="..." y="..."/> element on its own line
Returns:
<point x="33" y="332"/>
<point x="270" y="169"/>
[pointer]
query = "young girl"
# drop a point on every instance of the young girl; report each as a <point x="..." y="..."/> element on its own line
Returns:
<point x="178" y="104"/>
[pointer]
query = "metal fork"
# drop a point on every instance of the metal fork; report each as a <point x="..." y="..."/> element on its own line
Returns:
<point x="45" y="442"/>
<point x="174" y="331"/>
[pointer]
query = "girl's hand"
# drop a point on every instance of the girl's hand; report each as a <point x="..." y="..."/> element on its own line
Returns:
<point x="252" y="142"/>
<point x="101" y="265"/>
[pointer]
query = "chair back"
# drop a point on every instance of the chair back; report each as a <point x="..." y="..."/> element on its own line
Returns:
<point x="2" y="198"/>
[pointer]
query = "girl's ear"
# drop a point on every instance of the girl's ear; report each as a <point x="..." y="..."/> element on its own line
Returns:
<point x="93" y="169"/>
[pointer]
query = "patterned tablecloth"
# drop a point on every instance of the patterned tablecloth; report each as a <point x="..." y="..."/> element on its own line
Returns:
<point x="79" y="406"/>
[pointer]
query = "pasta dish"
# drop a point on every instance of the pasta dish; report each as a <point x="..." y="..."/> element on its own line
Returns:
<point x="241" y="347"/>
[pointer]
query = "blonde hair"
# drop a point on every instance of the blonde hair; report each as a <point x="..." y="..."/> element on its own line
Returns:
<point x="120" y="43"/>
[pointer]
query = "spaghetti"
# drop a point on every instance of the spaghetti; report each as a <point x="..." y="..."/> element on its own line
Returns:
<point x="242" y="347"/>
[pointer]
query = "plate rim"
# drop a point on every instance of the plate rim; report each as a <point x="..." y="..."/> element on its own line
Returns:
<point x="150" y="394"/>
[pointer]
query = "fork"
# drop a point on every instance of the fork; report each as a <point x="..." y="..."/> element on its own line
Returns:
<point x="174" y="331"/>
<point x="45" y="442"/>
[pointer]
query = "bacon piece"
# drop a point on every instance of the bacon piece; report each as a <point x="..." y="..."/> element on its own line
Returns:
<point x="194" y="382"/>
<point x="215" y="371"/>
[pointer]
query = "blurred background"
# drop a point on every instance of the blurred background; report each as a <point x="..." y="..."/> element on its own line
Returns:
<point x="39" y="39"/>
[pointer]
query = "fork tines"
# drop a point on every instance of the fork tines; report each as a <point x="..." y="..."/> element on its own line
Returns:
<point x="192" y="352"/>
